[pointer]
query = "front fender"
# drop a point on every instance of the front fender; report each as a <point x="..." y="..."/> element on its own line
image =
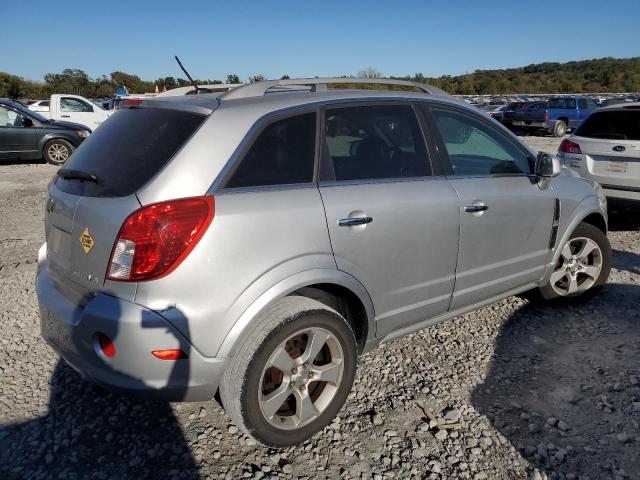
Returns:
<point x="247" y="320"/>
<point x="569" y="222"/>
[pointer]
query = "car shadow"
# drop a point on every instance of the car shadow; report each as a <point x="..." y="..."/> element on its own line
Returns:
<point x="88" y="432"/>
<point x="564" y="386"/>
<point x="13" y="161"/>
<point x="623" y="217"/>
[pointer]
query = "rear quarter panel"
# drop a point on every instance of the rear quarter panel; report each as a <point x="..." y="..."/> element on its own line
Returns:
<point x="256" y="240"/>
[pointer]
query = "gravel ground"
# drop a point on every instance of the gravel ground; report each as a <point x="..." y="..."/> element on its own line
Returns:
<point x="529" y="391"/>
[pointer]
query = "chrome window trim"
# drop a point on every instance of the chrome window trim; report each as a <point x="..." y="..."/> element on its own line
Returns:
<point x="369" y="181"/>
<point x="265" y="188"/>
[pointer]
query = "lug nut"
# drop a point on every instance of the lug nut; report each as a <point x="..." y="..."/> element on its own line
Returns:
<point x="302" y="387"/>
<point x="310" y="374"/>
<point x="294" y="370"/>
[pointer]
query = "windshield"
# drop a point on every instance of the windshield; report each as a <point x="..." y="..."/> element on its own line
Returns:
<point x="29" y="113"/>
<point x="615" y="125"/>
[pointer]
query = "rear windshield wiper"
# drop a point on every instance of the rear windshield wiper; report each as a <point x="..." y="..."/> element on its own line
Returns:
<point x="68" y="174"/>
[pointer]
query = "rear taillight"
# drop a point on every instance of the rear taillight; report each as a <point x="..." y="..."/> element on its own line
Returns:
<point x="567" y="146"/>
<point x="154" y="240"/>
<point x="546" y="116"/>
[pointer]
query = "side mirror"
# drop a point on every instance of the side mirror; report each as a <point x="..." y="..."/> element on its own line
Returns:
<point x="547" y="165"/>
<point x="27" y="122"/>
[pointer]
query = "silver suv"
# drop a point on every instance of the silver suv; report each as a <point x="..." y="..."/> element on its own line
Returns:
<point x="259" y="241"/>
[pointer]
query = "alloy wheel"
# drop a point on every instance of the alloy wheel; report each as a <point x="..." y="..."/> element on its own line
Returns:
<point x="58" y="152"/>
<point x="301" y="378"/>
<point x="578" y="267"/>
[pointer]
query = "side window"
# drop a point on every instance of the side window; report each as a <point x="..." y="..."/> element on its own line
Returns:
<point x="68" y="104"/>
<point x="372" y="142"/>
<point x="591" y="104"/>
<point x="475" y="148"/>
<point x="282" y="154"/>
<point x="9" y="118"/>
<point x="582" y="104"/>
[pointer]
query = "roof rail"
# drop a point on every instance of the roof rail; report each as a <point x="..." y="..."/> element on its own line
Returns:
<point x="258" y="89"/>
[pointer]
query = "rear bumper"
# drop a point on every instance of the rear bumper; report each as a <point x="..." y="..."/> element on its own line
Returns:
<point x="529" y="124"/>
<point x="72" y="330"/>
<point x="631" y="194"/>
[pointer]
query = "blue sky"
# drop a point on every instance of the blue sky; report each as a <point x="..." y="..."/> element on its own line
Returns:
<point x="325" y="38"/>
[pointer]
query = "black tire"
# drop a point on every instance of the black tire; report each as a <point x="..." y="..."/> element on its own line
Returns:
<point x="244" y="373"/>
<point x="559" y="129"/>
<point x="53" y="151"/>
<point x="584" y="230"/>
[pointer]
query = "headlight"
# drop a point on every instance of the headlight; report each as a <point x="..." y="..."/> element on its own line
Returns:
<point x="83" y="133"/>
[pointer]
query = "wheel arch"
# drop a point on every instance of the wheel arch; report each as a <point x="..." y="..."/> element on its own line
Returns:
<point x="55" y="136"/>
<point x="587" y="211"/>
<point x="331" y="287"/>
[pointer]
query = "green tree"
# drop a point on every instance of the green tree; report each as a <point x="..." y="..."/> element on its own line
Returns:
<point x="256" y="78"/>
<point x="233" y="78"/>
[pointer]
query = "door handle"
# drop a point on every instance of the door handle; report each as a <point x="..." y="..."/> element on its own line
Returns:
<point x="353" y="221"/>
<point x="65" y="116"/>
<point x="476" y="208"/>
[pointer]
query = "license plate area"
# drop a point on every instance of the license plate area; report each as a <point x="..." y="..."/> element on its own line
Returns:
<point x="617" y="165"/>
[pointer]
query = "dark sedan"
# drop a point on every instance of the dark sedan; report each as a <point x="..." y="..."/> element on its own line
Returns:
<point x="27" y="135"/>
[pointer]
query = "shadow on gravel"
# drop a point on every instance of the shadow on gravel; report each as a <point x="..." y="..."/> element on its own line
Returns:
<point x="12" y="161"/>
<point x="88" y="433"/>
<point x="623" y="217"/>
<point x="564" y="386"/>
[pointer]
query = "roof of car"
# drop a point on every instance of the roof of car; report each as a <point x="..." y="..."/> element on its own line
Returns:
<point x="287" y="98"/>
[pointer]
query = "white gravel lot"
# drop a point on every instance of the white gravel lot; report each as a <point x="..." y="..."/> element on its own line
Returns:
<point x="539" y="391"/>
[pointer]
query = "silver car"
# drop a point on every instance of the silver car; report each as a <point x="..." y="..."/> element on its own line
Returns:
<point x="606" y="148"/>
<point x="259" y="242"/>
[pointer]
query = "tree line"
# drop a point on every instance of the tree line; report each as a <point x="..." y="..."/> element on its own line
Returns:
<point x="598" y="75"/>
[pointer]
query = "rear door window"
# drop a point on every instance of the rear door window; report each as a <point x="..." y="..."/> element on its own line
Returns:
<point x="615" y="125"/>
<point x="568" y="103"/>
<point x="476" y="148"/>
<point x="128" y="150"/>
<point x="283" y="154"/>
<point x="373" y="142"/>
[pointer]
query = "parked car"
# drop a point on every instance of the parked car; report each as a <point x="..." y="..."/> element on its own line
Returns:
<point x="618" y="100"/>
<point x="38" y="105"/>
<point x="509" y="112"/>
<point x="559" y="115"/>
<point x="527" y="115"/>
<point x="78" y="109"/>
<point x="606" y="148"/>
<point x="258" y="243"/>
<point x="27" y="135"/>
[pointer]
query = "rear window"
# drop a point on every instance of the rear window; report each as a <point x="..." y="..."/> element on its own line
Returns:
<point x="128" y="149"/>
<point x="283" y="154"/>
<point x="562" y="103"/>
<point x="616" y="125"/>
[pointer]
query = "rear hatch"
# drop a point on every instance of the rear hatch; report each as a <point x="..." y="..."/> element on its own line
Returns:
<point x="610" y="143"/>
<point x="90" y="198"/>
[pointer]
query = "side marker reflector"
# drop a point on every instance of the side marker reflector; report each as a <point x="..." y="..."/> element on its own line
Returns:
<point x="172" y="354"/>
